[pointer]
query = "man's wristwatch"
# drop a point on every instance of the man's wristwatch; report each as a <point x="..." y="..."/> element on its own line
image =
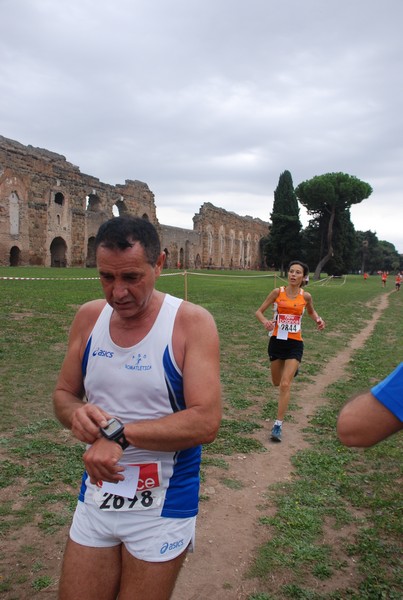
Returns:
<point x="115" y="432"/>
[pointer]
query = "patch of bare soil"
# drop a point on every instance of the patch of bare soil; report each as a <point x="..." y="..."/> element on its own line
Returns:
<point x="228" y="532"/>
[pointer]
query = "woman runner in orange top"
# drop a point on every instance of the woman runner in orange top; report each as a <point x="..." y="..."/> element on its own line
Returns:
<point x="286" y="345"/>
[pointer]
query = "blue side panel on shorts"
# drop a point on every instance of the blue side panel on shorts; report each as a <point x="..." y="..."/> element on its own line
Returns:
<point x="182" y="497"/>
<point x="83" y="488"/>
<point x="390" y="392"/>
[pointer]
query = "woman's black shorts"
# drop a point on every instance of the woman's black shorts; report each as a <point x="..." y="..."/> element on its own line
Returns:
<point x="285" y="349"/>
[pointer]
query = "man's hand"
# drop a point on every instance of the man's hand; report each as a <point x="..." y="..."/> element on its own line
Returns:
<point x="86" y="421"/>
<point x="101" y="461"/>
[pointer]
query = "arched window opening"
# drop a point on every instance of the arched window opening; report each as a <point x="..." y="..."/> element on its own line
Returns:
<point x="58" y="250"/>
<point x="93" y="203"/>
<point x="59" y="198"/>
<point x="15" y="256"/>
<point x="119" y="208"/>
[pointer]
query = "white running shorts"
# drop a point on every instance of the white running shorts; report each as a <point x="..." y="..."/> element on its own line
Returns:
<point x="146" y="537"/>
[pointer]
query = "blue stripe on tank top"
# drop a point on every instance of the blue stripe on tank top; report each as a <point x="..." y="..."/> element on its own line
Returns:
<point x="84" y="361"/>
<point x="182" y="497"/>
<point x="174" y="383"/>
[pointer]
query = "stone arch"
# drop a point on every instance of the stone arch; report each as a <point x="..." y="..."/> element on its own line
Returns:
<point x="181" y="258"/>
<point x="93" y="203"/>
<point x="198" y="261"/>
<point x="58" y="249"/>
<point x="15" y="256"/>
<point x="91" y="259"/>
<point x="120" y="208"/>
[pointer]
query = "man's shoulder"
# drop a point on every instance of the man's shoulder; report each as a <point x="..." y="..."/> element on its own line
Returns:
<point x="92" y="307"/>
<point x="84" y="320"/>
<point x="194" y="314"/>
<point x="89" y="312"/>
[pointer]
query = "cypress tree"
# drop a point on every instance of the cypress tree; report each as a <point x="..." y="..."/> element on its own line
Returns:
<point x="284" y="240"/>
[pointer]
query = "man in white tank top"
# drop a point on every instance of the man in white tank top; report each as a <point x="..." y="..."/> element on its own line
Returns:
<point x="140" y="385"/>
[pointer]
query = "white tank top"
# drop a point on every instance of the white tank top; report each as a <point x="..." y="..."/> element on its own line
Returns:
<point x="138" y="383"/>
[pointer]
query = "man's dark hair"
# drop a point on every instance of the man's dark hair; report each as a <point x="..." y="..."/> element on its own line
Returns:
<point x="120" y="233"/>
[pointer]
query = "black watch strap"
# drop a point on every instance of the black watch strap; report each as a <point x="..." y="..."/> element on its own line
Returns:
<point x="122" y="441"/>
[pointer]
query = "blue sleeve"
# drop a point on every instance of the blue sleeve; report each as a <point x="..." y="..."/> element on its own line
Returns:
<point x="390" y="392"/>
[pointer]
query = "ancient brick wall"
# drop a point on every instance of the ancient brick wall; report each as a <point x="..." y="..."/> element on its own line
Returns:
<point x="50" y="213"/>
<point x="229" y="241"/>
<point x="181" y="246"/>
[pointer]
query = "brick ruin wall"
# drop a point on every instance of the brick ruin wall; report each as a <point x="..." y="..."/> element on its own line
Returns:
<point x="50" y="213"/>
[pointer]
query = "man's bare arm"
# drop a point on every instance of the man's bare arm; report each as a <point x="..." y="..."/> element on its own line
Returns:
<point x="364" y="421"/>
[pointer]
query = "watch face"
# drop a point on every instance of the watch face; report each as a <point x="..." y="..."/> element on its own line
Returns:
<point x="113" y="427"/>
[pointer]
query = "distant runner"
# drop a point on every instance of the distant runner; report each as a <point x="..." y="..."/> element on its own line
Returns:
<point x="286" y="346"/>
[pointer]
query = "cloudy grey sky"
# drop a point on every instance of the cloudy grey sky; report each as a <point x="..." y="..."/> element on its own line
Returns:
<point x="211" y="100"/>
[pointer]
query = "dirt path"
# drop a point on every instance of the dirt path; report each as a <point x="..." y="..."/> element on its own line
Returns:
<point x="228" y="531"/>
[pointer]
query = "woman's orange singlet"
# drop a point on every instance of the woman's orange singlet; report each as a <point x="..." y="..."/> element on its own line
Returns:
<point x="288" y="314"/>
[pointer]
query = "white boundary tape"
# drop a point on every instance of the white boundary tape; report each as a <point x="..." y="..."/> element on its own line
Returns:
<point x="182" y="273"/>
<point x="52" y="278"/>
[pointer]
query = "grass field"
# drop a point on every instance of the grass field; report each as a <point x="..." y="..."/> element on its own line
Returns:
<point x="331" y="483"/>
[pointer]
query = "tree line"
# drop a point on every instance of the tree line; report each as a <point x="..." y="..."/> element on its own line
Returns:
<point x="330" y="242"/>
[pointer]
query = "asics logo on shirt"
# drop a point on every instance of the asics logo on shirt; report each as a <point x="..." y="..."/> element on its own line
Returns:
<point x="101" y="352"/>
